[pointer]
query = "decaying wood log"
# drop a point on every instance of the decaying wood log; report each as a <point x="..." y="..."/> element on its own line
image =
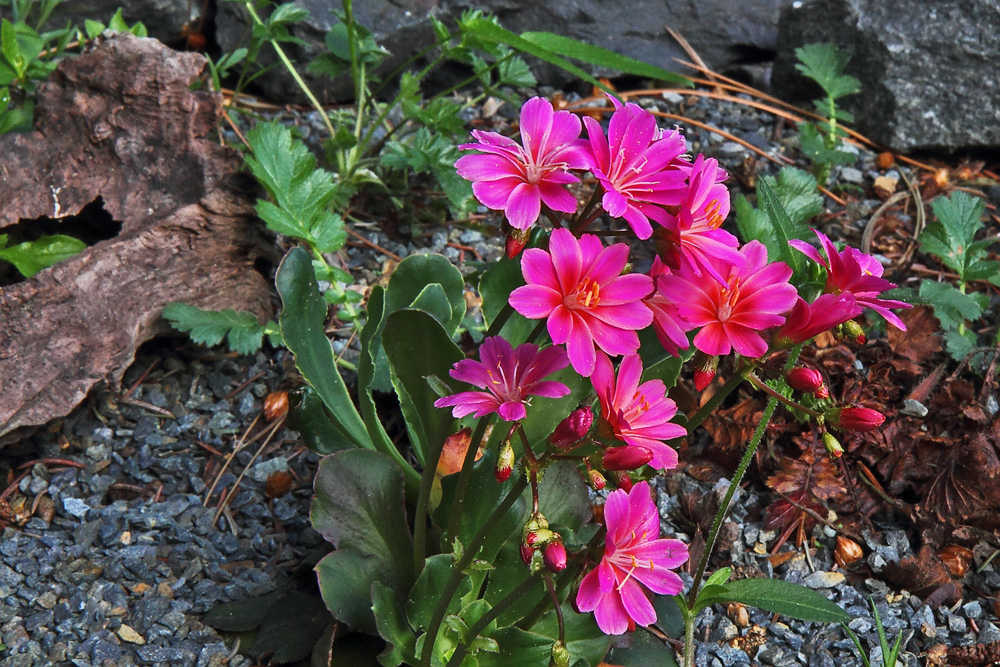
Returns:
<point x="120" y="126"/>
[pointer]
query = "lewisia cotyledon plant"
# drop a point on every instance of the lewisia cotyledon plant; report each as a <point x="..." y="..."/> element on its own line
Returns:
<point x="635" y="560"/>
<point x="578" y="288"/>
<point x="517" y="179"/>
<point x="508" y="376"/>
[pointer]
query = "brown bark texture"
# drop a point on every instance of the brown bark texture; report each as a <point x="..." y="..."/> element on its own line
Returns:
<point x="120" y="125"/>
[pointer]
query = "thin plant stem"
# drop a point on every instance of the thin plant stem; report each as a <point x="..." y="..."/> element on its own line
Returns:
<point x="457" y="573"/>
<point x="555" y="603"/>
<point x="501" y="319"/>
<point x="713" y="535"/>
<point x="717" y="398"/>
<point x="688" y="641"/>
<point x="757" y="382"/>
<point x="464" y="477"/>
<point x="489" y="617"/>
<point x="291" y="70"/>
<point x="595" y="198"/>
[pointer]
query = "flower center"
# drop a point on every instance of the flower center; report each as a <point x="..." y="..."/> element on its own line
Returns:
<point x="728" y="298"/>
<point x="712" y="217"/>
<point x="587" y="295"/>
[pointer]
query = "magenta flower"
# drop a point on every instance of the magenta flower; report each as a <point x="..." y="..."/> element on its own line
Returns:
<point x="516" y="180"/>
<point x="635" y="561"/>
<point x="509" y="377"/>
<point x="640" y="168"/>
<point x="671" y="329"/>
<point x="638" y="415"/>
<point x="731" y="314"/>
<point x="852" y="271"/>
<point x="807" y="320"/>
<point x="577" y="285"/>
<point x="693" y="238"/>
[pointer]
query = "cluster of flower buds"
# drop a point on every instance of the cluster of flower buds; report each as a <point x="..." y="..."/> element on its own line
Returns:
<point x="536" y="536"/>
<point x="808" y="381"/>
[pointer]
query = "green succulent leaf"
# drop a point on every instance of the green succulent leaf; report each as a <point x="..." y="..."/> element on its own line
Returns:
<point x="31" y="257"/>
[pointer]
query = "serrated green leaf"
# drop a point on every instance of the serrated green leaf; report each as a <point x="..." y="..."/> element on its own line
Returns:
<point x="596" y="55"/>
<point x="781" y="597"/>
<point x="208" y="327"/>
<point x="824" y="64"/>
<point x="783" y="227"/>
<point x="951" y="306"/>
<point x="515" y="73"/>
<point x="31" y="257"/>
<point x="951" y="238"/>
<point x="796" y="194"/>
<point x="815" y="148"/>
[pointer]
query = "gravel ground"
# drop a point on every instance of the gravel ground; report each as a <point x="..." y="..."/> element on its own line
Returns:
<point x="120" y="557"/>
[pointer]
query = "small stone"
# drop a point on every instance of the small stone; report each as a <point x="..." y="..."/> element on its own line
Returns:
<point x="824" y="580"/>
<point x="851" y="175"/>
<point x="956" y="624"/>
<point x="47" y="600"/>
<point x="673" y="98"/>
<point x="913" y="408"/>
<point x="973" y="609"/>
<point x="265" y="469"/>
<point x="129" y="635"/>
<point x="164" y="590"/>
<point x="76" y="507"/>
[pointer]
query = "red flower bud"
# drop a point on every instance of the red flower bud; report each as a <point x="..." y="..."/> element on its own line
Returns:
<point x="554" y="554"/>
<point x="628" y="457"/>
<point x="539" y="537"/>
<point x="822" y="392"/>
<point x="833" y="446"/>
<point x="505" y="462"/>
<point x="859" y="420"/>
<point x="597" y="480"/>
<point x="572" y="429"/>
<point x="806" y="380"/>
<point x="623" y="480"/>
<point x="704" y="371"/>
<point x="516" y="240"/>
<point x="526" y="553"/>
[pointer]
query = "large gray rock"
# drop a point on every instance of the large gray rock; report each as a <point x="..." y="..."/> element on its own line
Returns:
<point x="928" y="72"/>
<point x="724" y="32"/>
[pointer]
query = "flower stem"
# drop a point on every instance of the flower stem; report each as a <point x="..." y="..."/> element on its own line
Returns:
<point x="760" y="384"/>
<point x="555" y="603"/>
<point x="501" y="319"/>
<point x="489" y="617"/>
<point x="457" y="572"/>
<point x="713" y="535"/>
<point x="586" y="216"/>
<point x="462" y="486"/>
<point x="718" y="397"/>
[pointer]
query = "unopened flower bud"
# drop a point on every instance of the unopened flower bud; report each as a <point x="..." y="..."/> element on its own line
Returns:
<point x="572" y="429"/>
<point x="833" y="447"/>
<point x="505" y="462"/>
<point x="704" y="371"/>
<point x="847" y="552"/>
<point x="859" y="420"/>
<point x="822" y="392"/>
<point x="624" y="480"/>
<point x="560" y="655"/>
<point x="540" y="537"/>
<point x="628" y="457"/>
<point x="806" y="380"/>
<point x="854" y="331"/>
<point x="554" y="554"/>
<point x="516" y="240"/>
<point x="526" y="553"/>
<point x="535" y="522"/>
<point x="597" y="481"/>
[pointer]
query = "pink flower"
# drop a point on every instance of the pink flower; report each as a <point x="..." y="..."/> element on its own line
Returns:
<point x="671" y="329"/>
<point x="509" y="377"/>
<point x="517" y="180"/>
<point x="638" y="415"/>
<point x="635" y="561"/>
<point x="811" y="319"/>
<point x="577" y="285"/>
<point x="640" y="169"/>
<point x="851" y="271"/>
<point x="693" y="238"/>
<point x="751" y="299"/>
